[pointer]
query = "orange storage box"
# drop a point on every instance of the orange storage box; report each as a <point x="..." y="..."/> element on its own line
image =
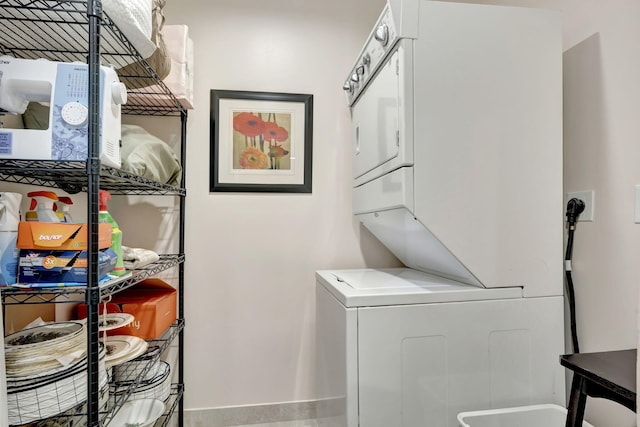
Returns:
<point x="59" y="236"/>
<point x="152" y="302"/>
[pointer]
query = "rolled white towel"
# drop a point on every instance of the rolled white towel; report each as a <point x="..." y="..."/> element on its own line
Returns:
<point x="135" y="258"/>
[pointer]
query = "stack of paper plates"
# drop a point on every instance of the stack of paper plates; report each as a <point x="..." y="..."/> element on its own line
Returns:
<point x="158" y="387"/>
<point x="130" y="371"/>
<point x="111" y="321"/>
<point x="139" y="413"/>
<point x="45" y="395"/>
<point x="122" y="348"/>
<point x="44" y="348"/>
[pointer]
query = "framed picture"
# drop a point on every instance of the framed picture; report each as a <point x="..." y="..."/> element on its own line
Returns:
<point x="261" y="142"/>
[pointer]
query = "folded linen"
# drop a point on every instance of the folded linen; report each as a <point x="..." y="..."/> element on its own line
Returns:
<point x="135" y="258"/>
<point x="148" y="156"/>
<point x="133" y="17"/>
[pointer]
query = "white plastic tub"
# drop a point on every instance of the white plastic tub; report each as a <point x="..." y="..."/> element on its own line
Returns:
<point x="522" y="416"/>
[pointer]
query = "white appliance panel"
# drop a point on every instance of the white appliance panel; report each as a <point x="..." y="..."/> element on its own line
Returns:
<point x="492" y="111"/>
<point x="336" y="361"/>
<point x="419" y="248"/>
<point x="402" y="286"/>
<point x="384" y="143"/>
<point x="421" y="365"/>
<point x="391" y="190"/>
<point x="375" y="121"/>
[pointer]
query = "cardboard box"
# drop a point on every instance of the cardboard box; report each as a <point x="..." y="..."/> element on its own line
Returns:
<point x="153" y="304"/>
<point x="59" y="236"/>
<point x="54" y="268"/>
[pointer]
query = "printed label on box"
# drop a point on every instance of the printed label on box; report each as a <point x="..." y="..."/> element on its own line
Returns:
<point x="6" y="143"/>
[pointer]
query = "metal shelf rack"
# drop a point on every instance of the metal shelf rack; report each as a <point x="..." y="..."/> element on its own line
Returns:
<point x="68" y="294"/>
<point x="79" y="31"/>
<point x="58" y="30"/>
<point x="72" y="177"/>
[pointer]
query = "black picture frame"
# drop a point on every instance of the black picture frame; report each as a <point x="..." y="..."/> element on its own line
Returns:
<point x="249" y="151"/>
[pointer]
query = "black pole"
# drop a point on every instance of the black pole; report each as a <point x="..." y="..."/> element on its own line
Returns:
<point x="183" y="155"/>
<point x="94" y="14"/>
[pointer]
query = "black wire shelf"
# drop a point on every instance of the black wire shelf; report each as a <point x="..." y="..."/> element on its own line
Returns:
<point x="76" y="294"/>
<point x="162" y="344"/>
<point x="71" y="176"/>
<point x="76" y="416"/>
<point x="67" y="31"/>
<point x="58" y="31"/>
<point x="177" y="390"/>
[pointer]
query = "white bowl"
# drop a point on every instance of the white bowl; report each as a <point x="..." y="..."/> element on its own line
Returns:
<point x="138" y="413"/>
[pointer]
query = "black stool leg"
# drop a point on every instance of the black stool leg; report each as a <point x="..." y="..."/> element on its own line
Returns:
<point x="577" y="402"/>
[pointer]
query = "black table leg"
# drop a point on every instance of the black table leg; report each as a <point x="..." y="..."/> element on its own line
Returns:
<point x="577" y="402"/>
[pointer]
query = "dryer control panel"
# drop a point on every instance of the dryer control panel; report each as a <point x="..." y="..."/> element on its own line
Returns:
<point x="380" y="42"/>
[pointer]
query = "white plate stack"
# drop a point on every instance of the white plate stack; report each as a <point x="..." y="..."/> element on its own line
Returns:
<point x="47" y="371"/>
<point x="157" y="387"/>
<point x="131" y="370"/>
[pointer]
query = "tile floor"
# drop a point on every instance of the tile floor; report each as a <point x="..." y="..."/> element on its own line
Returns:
<point x="290" y="414"/>
<point x="297" y="423"/>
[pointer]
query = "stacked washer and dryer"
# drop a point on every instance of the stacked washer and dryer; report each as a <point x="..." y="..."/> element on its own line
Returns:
<point x="457" y="160"/>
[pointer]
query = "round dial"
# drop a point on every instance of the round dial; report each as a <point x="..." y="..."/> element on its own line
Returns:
<point x="74" y="113"/>
<point x="382" y="34"/>
<point x="118" y="93"/>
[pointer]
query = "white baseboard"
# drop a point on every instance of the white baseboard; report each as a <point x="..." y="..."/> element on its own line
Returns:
<point x="256" y="414"/>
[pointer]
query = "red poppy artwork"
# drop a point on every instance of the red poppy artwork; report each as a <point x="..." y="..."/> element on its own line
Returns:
<point x="261" y="140"/>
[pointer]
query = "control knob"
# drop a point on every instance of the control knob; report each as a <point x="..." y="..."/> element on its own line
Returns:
<point x="382" y="34"/>
<point x="118" y="93"/>
<point x="74" y="113"/>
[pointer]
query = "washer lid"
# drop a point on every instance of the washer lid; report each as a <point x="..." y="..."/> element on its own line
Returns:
<point x="397" y="278"/>
<point x="401" y="286"/>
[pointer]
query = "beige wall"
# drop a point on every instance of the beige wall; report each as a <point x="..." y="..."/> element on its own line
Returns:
<point x="602" y="98"/>
<point x="251" y="257"/>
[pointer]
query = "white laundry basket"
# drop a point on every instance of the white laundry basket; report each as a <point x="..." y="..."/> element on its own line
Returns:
<point x="522" y="416"/>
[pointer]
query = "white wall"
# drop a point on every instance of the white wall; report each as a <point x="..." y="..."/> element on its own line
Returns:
<point x="602" y="99"/>
<point x="251" y="257"/>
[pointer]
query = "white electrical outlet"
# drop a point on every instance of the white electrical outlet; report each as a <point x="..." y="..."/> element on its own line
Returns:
<point x="588" y="198"/>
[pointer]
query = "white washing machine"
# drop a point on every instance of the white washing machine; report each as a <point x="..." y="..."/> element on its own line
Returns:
<point x="398" y="347"/>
